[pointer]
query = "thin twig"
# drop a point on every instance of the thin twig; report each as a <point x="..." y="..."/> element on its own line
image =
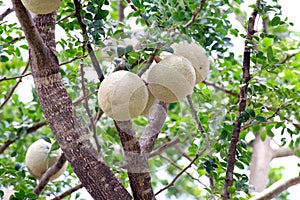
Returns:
<point x="195" y="14"/>
<point x="221" y="89"/>
<point x="35" y="127"/>
<point x="178" y="167"/>
<point x="66" y="17"/>
<point x="15" y="77"/>
<point x="149" y="61"/>
<point x="136" y="10"/>
<point x="86" y="43"/>
<point x="68" y="192"/>
<point x="14" y="87"/>
<point x="88" y="111"/>
<point x="121" y="14"/>
<point x="5" y="13"/>
<point x="179" y="175"/>
<point x="81" y="98"/>
<point x="73" y="59"/>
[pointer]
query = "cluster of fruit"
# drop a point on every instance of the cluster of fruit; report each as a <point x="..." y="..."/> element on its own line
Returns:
<point x="124" y="95"/>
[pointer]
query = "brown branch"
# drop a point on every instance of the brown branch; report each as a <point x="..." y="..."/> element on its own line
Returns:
<point x="16" y="39"/>
<point x="7" y="143"/>
<point x="178" y="167"/>
<point x="5" y="13"/>
<point x="68" y="192"/>
<point x="195" y="14"/>
<point x="88" y="111"/>
<point x="48" y="174"/>
<point x="73" y="59"/>
<point x="163" y="147"/>
<point x="66" y="17"/>
<point x="14" y="87"/>
<point x="149" y="61"/>
<point x="221" y="89"/>
<point x="277" y="188"/>
<point x="179" y="175"/>
<point x="157" y="118"/>
<point x="82" y="98"/>
<point x="241" y="107"/>
<point x="121" y="15"/>
<point x="136" y="10"/>
<point x="288" y="57"/>
<point x="136" y="162"/>
<point x="86" y="43"/>
<point x="15" y="77"/>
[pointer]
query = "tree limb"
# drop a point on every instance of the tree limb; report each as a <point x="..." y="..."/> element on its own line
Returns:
<point x="277" y="188"/>
<point x="14" y="87"/>
<point x="29" y="130"/>
<point x="221" y="89"/>
<point x="60" y="113"/>
<point x="195" y="14"/>
<point x="68" y="192"/>
<point x="284" y="152"/>
<point x="157" y="118"/>
<point x="88" y="45"/>
<point x="242" y="105"/>
<point x="136" y="162"/>
<point x="48" y="174"/>
<point x="5" y="13"/>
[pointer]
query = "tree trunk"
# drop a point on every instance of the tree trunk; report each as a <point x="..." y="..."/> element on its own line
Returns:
<point x="260" y="162"/>
<point x="59" y="111"/>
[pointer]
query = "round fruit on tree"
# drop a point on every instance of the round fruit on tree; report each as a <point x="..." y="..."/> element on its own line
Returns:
<point x="123" y="95"/>
<point x="41" y="6"/>
<point x="172" y="79"/>
<point x="39" y="158"/>
<point x="196" y="54"/>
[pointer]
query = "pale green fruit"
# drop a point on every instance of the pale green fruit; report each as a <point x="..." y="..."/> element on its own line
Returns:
<point x="172" y="79"/>
<point x="149" y="105"/>
<point x="38" y="159"/>
<point x="41" y="6"/>
<point x="122" y="95"/>
<point x="196" y="55"/>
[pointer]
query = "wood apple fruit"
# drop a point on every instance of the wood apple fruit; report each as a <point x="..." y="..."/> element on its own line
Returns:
<point x="41" y="6"/>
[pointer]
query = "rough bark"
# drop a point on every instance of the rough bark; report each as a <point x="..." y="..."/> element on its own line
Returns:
<point x="136" y="162"/>
<point x="59" y="111"/>
<point x="260" y="163"/>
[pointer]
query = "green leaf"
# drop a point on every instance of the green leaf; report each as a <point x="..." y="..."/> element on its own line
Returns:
<point x="251" y="112"/>
<point x="136" y="3"/>
<point x="3" y="58"/>
<point x="270" y="53"/>
<point x="275" y="21"/>
<point x="55" y="146"/>
<point x="260" y="119"/>
<point x="47" y="139"/>
<point x="263" y="136"/>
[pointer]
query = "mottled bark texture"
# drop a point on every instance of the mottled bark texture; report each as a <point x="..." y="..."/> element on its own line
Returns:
<point x="136" y="162"/>
<point x="57" y="106"/>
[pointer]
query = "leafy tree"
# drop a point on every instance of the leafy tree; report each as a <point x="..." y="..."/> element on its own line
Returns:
<point x="197" y="148"/>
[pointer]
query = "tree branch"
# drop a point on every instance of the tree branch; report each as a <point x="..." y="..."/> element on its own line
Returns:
<point x="242" y="105"/>
<point x="5" y="13"/>
<point x="68" y="192"/>
<point x="221" y="89"/>
<point x="35" y="127"/>
<point x="14" y="87"/>
<point x="277" y="188"/>
<point x="15" y="77"/>
<point x="88" y="111"/>
<point x="284" y="151"/>
<point x="136" y="162"/>
<point x="182" y="171"/>
<point x="157" y="118"/>
<point x="49" y="173"/>
<point x="141" y="14"/>
<point x="195" y="14"/>
<point x="60" y="113"/>
<point x="88" y="45"/>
